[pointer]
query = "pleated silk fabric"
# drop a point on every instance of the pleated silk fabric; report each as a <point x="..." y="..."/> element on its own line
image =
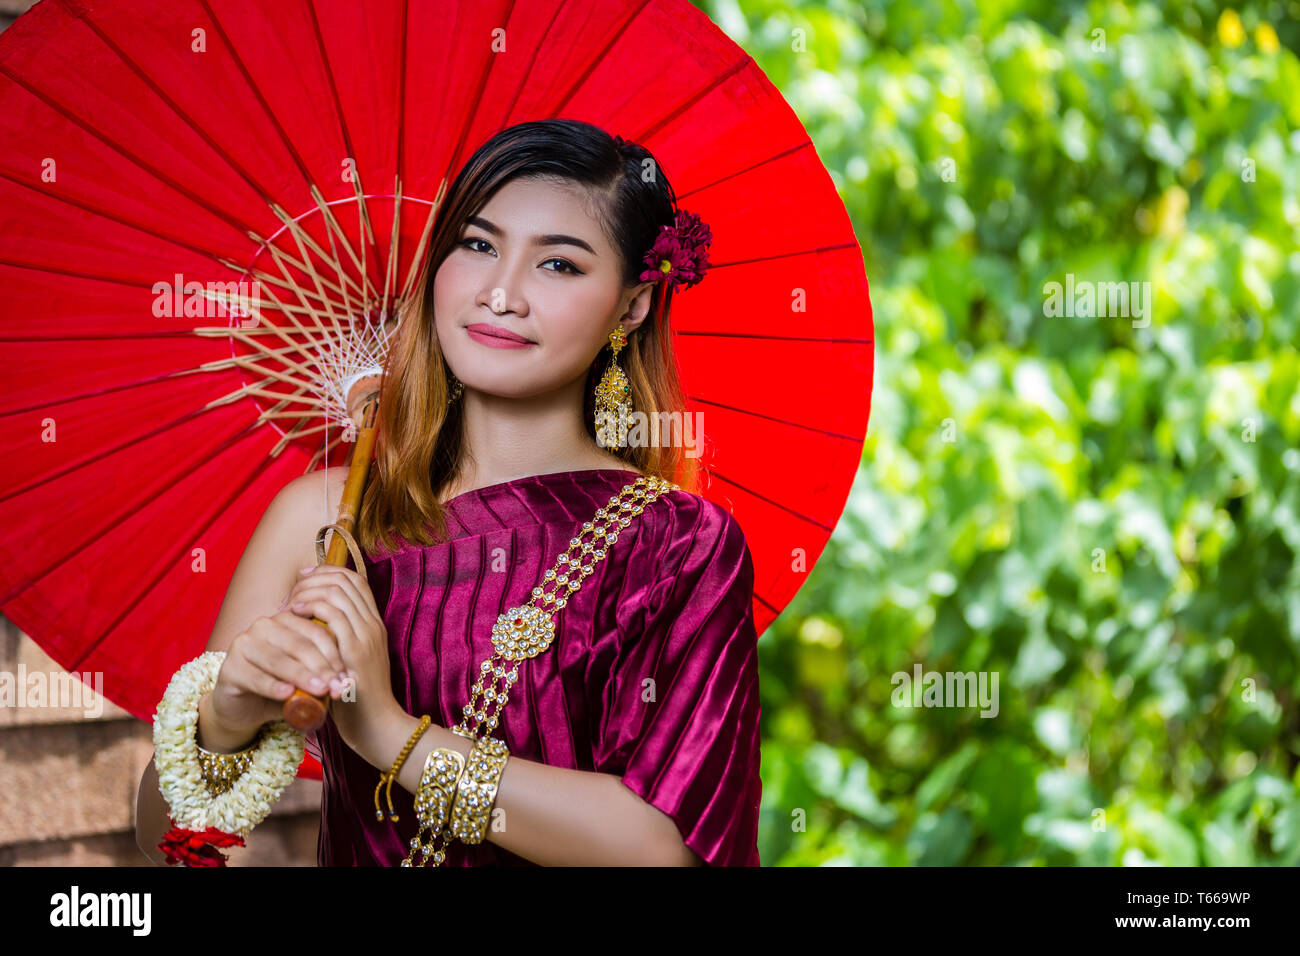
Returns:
<point x="653" y="676"/>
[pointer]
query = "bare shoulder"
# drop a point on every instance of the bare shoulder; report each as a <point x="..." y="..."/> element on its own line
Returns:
<point x="305" y="504"/>
<point x="313" y="488"/>
<point x="283" y="541"/>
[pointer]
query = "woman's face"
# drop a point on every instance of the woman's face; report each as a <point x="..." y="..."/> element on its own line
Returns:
<point x="533" y="262"/>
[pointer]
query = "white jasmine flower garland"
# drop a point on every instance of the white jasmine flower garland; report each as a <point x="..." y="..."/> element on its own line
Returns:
<point x="249" y="801"/>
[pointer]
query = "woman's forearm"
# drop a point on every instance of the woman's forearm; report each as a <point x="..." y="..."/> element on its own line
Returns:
<point x="549" y="815"/>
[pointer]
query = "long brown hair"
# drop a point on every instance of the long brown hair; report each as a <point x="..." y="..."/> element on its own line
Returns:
<point x="420" y="438"/>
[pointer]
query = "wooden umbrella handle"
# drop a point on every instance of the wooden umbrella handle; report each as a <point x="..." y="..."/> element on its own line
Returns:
<point x="305" y="711"/>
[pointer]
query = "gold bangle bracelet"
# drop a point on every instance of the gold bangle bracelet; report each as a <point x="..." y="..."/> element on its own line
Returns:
<point x="391" y="775"/>
<point x="221" y="770"/>
<point x="442" y="772"/>
<point x="476" y="791"/>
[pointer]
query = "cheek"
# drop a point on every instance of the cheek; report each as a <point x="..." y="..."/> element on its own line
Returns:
<point x="453" y="298"/>
<point x="576" y="315"/>
<point x="572" y="333"/>
<point x="448" y="287"/>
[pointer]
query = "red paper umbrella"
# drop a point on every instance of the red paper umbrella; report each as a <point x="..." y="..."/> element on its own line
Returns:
<point x="296" y="150"/>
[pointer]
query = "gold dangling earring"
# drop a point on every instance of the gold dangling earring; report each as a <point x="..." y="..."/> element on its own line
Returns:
<point x="613" y="398"/>
<point x="457" y="388"/>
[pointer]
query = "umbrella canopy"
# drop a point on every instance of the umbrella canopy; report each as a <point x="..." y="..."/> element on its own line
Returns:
<point x="209" y="209"/>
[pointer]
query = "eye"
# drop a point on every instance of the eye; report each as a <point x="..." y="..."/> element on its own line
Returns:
<point x="568" y="267"/>
<point x="573" y="270"/>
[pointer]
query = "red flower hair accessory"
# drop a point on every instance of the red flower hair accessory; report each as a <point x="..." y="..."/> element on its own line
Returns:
<point x="680" y="253"/>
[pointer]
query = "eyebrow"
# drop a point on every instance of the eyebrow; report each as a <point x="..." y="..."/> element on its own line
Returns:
<point x="549" y="239"/>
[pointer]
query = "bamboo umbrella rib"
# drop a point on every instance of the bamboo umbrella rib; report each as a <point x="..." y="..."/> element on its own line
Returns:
<point x="275" y="373"/>
<point x="323" y="452"/>
<point x="300" y="432"/>
<point x="220" y="331"/>
<point x="280" y="332"/>
<point x="416" y="262"/>
<point x="390" y="273"/>
<point x="269" y="416"/>
<point x="255" y="390"/>
<point x="300" y="292"/>
<point x="287" y="437"/>
<point x="361" y="205"/>
<point x="252" y="388"/>
<point x="237" y="361"/>
<point x="333" y="227"/>
<point x="266" y="278"/>
<point x="363" y="267"/>
<point x="336" y="360"/>
<point x="288" y="309"/>
<point x="301" y="238"/>
<point x="367" y="230"/>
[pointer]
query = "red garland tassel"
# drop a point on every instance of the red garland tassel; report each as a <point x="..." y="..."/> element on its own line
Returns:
<point x="197" y="847"/>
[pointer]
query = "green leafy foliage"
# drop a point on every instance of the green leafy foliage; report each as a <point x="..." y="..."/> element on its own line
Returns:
<point x="1099" y="507"/>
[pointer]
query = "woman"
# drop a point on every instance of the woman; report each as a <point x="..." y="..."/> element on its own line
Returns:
<point x="634" y="738"/>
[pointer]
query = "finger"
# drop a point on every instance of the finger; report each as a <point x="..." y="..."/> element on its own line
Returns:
<point x="246" y="677"/>
<point x="351" y="581"/>
<point x="301" y="623"/>
<point x="337" y="595"/>
<point x="325" y="641"/>
<point x="340" y="620"/>
<point x="276" y="690"/>
<point x="291" y="656"/>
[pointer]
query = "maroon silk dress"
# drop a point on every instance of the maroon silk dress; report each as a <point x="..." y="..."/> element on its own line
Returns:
<point x="653" y="675"/>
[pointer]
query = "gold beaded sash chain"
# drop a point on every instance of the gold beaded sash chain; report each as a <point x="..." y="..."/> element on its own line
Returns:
<point x="458" y="792"/>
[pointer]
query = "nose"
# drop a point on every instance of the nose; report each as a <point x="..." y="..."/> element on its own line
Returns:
<point x="498" y="295"/>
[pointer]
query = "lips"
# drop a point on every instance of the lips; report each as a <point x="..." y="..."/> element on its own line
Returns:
<point x="497" y="332"/>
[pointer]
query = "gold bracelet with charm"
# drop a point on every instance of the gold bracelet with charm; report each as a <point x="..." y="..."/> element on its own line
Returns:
<point x="391" y="775"/>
